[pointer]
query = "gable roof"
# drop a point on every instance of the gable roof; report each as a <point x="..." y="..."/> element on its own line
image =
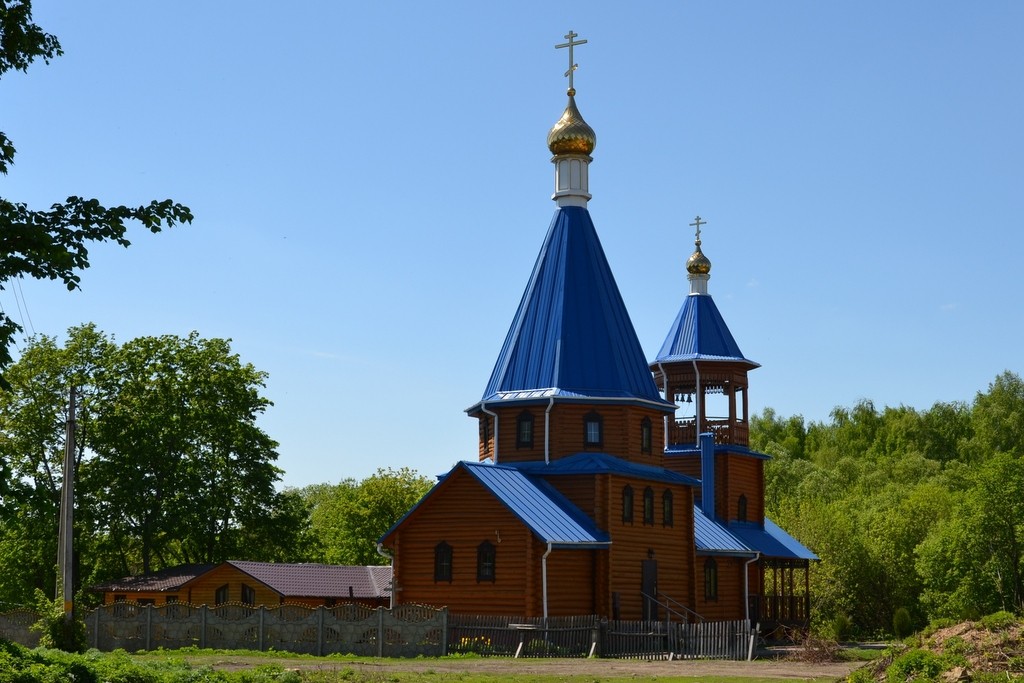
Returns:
<point x="169" y="579"/>
<point x="700" y="333"/>
<point x="319" y="580"/>
<point x="603" y="463"/>
<point x="571" y="336"/>
<point x="551" y="516"/>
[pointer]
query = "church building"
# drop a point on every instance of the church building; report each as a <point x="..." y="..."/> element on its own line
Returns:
<point x="604" y="484"/>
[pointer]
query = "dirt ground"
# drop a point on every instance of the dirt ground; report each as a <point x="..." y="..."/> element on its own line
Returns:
<point x="599" y="668"/>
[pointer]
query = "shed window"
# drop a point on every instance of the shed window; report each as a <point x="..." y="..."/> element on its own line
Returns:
<point x="627" y="504"/>
<point x="485" y="555"/>
<point x="593" y="429"/>
<point x="443" y="562"/>
<point x="222" y="595"/>
<point x="171" y="599"/>
<point x="645" y="436"/>
<point x="741" y="508"/>
<point x="667" y="510"/>
<point x="524" y="430"/>
<point x="248" y="595"/>
<point x="710" y="579"/>
<point x="649" y="506"/>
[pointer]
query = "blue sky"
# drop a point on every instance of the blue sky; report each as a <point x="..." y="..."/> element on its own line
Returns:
<point x="371" y="186"/>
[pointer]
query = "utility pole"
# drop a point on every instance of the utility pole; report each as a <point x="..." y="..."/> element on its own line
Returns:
<point x="65" y="542"/>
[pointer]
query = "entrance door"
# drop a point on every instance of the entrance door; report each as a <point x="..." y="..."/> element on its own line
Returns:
<point x="649" y="589"/>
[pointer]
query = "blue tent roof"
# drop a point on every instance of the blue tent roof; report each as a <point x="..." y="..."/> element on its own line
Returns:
<point x="771" y="541"/>
<point x="603" y="463"/>
<point x="571" y="336"/>
<point x="547" y="513"/>
<point x="700" y="333"/>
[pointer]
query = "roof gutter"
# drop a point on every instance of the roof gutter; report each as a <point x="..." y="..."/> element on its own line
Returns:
<point x="547" y="431"/>
<point x="483" y="407"/>
<point x="544" y="579"/>
<point x="746" y="583"/>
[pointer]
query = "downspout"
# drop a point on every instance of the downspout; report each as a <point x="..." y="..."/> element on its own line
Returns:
<point x="483" y="407"/>
<point x="547" y="430"/>
<point x="391" y="561"/>
<point x="664" y="421"/>
<point x="698" y="396"/>
<point x="544" y="579"/>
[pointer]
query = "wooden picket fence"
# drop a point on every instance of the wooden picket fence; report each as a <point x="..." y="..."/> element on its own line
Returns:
<point x="675" y="640"/>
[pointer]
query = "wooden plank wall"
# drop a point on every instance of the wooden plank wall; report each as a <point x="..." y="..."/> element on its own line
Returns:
<point x="203" y="589"/>
<point x="730" y="603"/>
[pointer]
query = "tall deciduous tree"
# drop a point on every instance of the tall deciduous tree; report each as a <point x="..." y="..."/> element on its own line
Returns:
<point x="53" y="244"/>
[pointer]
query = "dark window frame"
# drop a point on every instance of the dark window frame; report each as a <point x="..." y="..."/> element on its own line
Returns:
<point x="222" y="595"/>
<point x="667" y="508"/>
<point x="248" y="595"/>
<point x="741" y="508"/>
<point x="646" y="436"/>
<point x="710" y="579"/>
<point x="593" y="418"/>
<point x="627" y="504"/>
<point x="648" y="506"/>
<point x="486" y="562"/>
<point x="524" y="423"/>
<point x="443" y="562"/>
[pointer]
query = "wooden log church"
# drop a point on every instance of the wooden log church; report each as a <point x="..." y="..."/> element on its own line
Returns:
<point x="604" y="484"/>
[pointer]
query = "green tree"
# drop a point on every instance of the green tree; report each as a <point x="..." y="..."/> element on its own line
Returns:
<point x="350" y="517"/>
<point x="53" y="244"/>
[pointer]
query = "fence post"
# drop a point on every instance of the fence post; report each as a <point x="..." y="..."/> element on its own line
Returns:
<point x="96" y="628"/>
<point x="444" y="631"/>
<point x="380" y="631"/>
<point x="320" y="630"/>
<point x="202" y="627"/>
<point x="263" y="624"/>
<point x="149" y="626"/>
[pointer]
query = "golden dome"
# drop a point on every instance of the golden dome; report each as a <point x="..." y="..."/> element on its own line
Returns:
<point x="698" y="263"/>
<point x="571" y="135"/>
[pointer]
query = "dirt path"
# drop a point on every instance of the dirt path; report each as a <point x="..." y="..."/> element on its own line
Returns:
<point x="600" y="668"/>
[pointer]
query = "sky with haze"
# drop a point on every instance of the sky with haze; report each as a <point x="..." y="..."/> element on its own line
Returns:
<point x="371" y="186"/>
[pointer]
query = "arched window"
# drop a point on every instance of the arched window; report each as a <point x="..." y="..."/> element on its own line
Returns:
<point x="666" y="508"/>
<point x="593" y="429"/>
<point x="649" y="506"/>
<point x="710" y="579"/>
<point x="645" y="436"/>
<point x="443" y="562"/>
<point x="524" y="430"/>
<point x="627" y="504"/>
<point x="741" y="508"/>
<point x="485" y="554"/>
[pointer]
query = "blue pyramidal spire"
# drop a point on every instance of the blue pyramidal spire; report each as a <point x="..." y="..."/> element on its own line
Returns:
<point x="571" y="336"/>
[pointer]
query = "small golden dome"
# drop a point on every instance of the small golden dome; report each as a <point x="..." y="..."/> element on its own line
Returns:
<point x="698" y="263"/>
<point x="571" y="135"/>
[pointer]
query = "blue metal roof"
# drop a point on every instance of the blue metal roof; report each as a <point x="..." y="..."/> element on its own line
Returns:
<point x="771" y="541"/>
<point x="571" y="336"/>
<point x="711" y="538"/>
<point x="700" y="333"/>
<point x="603" y="463"/>
<point x="551" y="516"/>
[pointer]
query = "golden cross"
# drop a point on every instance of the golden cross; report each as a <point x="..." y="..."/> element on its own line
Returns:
<point x="572" y="65"/>
<point x="697" y="222"/>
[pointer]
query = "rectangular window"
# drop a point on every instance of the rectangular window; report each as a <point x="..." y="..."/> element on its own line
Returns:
<point x="222" y="595"/>
<point x="443" y="562"/>
<point x="248" y="595"/>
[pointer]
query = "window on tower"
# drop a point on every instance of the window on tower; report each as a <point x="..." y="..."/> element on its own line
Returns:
<point x="627" y="504"/>
<point x="524" y="430"/>
<point x="667" y="511"/>
<point x="593" y="429"/>
<point x="485" y="433"/>
<point x="741" y="508"/>
<point x="645" y="436"/>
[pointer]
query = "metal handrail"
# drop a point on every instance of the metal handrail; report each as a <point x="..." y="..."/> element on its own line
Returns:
<point x="665" y="605"/>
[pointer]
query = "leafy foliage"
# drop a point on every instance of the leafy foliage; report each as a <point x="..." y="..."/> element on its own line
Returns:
<point x="55" y="630"/>
<point x="907" y="509"/>
<point x="172" y="467"/>
<point x="53" y="244"/>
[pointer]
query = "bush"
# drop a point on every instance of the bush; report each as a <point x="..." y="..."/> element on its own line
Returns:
<point x="902" y="626"/>
<point x="54" y="631"/>
<point x="841" y="627"/>
<point x="915" y="664"/>
<point x="998" y="621"/>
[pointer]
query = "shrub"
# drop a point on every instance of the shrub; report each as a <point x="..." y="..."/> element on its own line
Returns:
<point x="54" y="631"/>
<point x="915" y="664"/>
<point x="955" y="645"/>
<point x="841" y="627"/>
<point x="902" y="626"/>
<point x="998" y="621"/>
